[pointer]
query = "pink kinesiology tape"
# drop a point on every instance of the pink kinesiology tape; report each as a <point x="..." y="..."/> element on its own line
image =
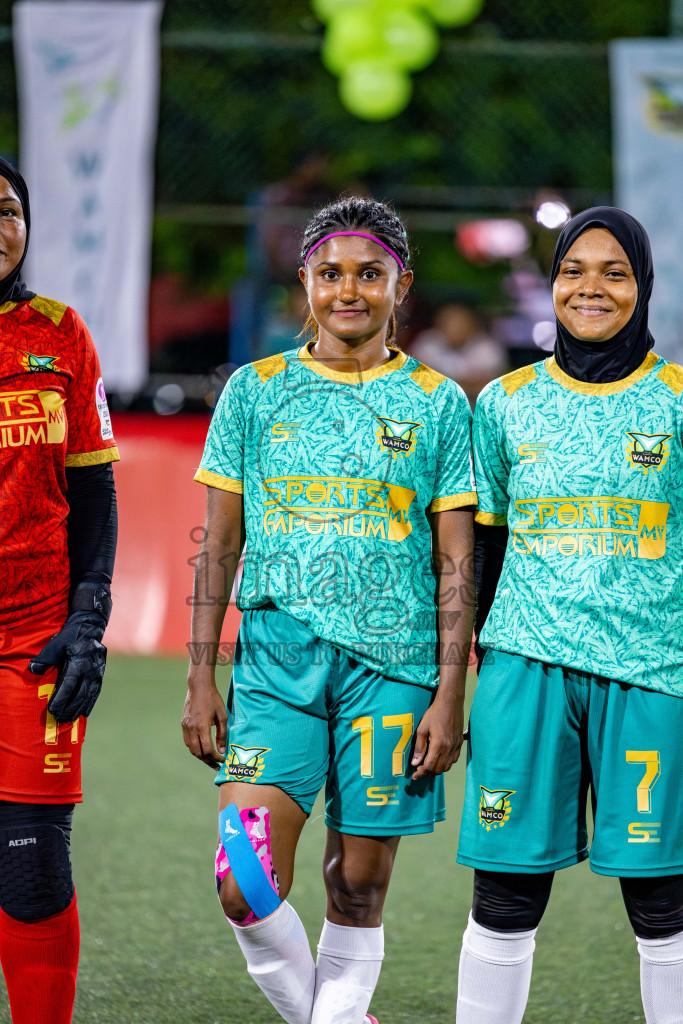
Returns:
<point x="256" y="821"/>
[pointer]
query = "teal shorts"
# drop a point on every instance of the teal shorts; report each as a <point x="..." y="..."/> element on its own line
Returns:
<point x="303" y="714"/>
<point x="541" y="737"/>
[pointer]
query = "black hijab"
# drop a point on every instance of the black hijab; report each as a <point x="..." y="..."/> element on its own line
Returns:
<point x="12" y="288"/>
<point x="606" y="361"/>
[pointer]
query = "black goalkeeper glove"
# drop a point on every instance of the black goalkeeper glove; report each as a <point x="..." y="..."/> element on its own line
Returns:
<point x="77" y="653"/>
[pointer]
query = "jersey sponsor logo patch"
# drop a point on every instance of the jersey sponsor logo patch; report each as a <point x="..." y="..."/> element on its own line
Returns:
<point x="398" y="436"/>
<point x="590" y="527"/>
<point x="647" y="451"/>
<point x="246" y="763"/>
<point x="494" y="807"/>
<point x="103" y="411"/>
<point x="34" y="363"/>
<point x="31" y="417"/>
<point x="348" y="507"/>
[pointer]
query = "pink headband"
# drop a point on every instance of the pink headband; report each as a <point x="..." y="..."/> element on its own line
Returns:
<point x="361" y="234"/>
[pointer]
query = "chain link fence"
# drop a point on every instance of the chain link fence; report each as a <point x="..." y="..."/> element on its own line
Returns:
<point x="519" y="99"/>
<point x="516" y="103"/>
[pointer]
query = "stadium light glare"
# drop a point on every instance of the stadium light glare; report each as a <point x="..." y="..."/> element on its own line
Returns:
<point x="543" y="335"/>
<point x="168" y="399"/>
<point x="553" y="214"/>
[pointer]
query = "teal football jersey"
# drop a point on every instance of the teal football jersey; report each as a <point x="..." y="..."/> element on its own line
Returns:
<point x="340" y="474"/>
<point x="589" y="479"/>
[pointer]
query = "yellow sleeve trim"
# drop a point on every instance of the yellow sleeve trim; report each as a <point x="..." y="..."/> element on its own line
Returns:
<point x="93" y="458"/>
<point x="270" y="367"/>
<point x="223" y="483"/>
<point x="672" y="375"/>
<point x="428" y="379"/>
<point x="50" y="308"/>
<point x="491" y="518"/>
<point x="453" y="501"/>
<point x="517" y="379"/>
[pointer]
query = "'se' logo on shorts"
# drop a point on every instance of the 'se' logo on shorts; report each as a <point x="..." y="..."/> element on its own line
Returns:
<point x="382" y="796"/>
<point x="643" y="833"/>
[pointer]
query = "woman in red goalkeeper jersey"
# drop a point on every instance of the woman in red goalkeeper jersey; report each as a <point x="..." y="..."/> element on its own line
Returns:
<point x="57" y="538"/>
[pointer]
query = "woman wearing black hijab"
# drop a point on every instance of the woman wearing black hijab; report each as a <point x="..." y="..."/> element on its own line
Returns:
<point x="57" y="540"/>
<point x="579" y="468"/>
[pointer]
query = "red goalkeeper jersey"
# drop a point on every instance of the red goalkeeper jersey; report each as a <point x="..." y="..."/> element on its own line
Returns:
<point x="53" y="414"/>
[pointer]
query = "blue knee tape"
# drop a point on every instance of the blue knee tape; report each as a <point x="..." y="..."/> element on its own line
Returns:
<point x="245" y="865"/>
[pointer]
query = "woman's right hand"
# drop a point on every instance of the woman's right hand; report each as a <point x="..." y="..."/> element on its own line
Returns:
<point x="205" y="709"/>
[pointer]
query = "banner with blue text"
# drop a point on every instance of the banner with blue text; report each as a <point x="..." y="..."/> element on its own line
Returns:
<point x="88" y="76"/>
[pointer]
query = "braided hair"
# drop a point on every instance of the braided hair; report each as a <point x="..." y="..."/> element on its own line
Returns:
<point x="357" y="213"/>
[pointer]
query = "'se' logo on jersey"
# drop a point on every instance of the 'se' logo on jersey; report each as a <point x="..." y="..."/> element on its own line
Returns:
<point x="647" y="451"/>
<point x="532" y="452"/>
<point x="282" y="432"/>
<point x="398" y="436"/>
<point x="494" y="807"/>
<point x="246" y="763"/>
<point x="34" y="363"/>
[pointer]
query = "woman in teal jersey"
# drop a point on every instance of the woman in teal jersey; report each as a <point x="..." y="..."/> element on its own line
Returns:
<point x="347" y="465"/>
<point x="579" y="464"/>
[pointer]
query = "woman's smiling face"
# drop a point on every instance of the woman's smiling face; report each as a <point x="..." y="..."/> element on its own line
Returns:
<point x="12" y="229"/>
<point x="595" y="291"/>
<point x="352" y="286"/>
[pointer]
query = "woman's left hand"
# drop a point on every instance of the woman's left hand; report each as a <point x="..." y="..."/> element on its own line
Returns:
<point x="438" y="739"/>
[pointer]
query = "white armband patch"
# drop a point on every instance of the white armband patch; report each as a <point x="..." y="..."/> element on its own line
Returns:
<point x="103" y="411"/>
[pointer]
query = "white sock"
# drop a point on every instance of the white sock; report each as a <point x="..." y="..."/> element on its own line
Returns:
<point x="346" y="973"/>
<point x="279" y="960"/>
<point x="494" y="975"/>
<point x="661" y="979"/>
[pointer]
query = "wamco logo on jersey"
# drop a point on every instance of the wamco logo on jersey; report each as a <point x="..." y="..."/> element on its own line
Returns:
<point x="35" y="363"/>
<point x="31" y="417"/>
<point x="647" y="451"/>
<point x="246" y="763"/>
<point x="398" y="436"/>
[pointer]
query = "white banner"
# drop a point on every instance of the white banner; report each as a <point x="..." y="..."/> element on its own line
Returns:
<point x="647" y="104"/>
<point x="88" y="77"/>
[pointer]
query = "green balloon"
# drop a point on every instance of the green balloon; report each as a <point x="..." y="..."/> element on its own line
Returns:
<point x="410" y="38"/>
<point x="374" y="90"/>
<point x="325" y="10"/>
<point x="350" y="37"/>
<point x="450" y="13"/>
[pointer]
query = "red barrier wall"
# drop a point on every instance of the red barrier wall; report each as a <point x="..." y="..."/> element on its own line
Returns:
<point x="160" y="506"/>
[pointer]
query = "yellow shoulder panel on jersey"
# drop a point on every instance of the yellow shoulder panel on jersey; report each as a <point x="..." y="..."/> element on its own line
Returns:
<point x="427" y="378"/>
<point x="7" y="307"/>
<point x="672" y="375"/>
<point x="50" y="308"/>
<point x="270" y="367"/>
<point x="517" y="379"/>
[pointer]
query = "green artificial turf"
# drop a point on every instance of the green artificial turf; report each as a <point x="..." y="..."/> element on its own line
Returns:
<point x="157" y="950"/>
